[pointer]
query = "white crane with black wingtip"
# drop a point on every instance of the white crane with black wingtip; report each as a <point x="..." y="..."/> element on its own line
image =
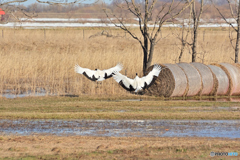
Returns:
<point x="137" y="83"/>
<point x="98" y="75"/>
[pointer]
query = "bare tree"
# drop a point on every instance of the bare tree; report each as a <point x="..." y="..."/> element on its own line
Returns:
<point x="234" y="7"/>
<point x="192" y="27"/>
<point x="147" y="12"/>
<point x="196" y="15"/>
<point x="183" y="35"/>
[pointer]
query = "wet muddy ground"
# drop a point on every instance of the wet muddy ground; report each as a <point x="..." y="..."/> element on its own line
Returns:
<point x="10" y="94"/>
<point x="124" y="128"/>
<point x="59" y="128"/>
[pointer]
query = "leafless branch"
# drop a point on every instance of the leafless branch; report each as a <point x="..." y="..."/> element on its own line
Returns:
<point x="200" y="12"/>
<point x="123" y="27"/>
<point x="231" y="38"/>
<point x="229" y="23"/>
<point x="134" y="12"/>
<point x="161" y="38"/>
<point x="62" y="2"/>
<point x="157" y="19"/>
<point x="173" y="16"/>
<point x="230" y="7"/>
<point x="3" y="2"/>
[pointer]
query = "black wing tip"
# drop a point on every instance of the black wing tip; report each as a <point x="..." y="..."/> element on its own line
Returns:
<point x="92" y="79"/>
<point x="130" y="89"/>
<point x="106" y="76"/>
<point x="147" y="86"/>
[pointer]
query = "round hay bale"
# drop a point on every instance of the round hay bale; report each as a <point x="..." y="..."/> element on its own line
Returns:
<point x="170" y="82"/>
<point x="229" y="78"/>
<point x="206" y="77"/>
<point x="163" y="85"/>
<point x="221" y="82"/>
<point x="233" y="73"/>
<point x="194" y="78"/>
<point x="215" y="84"/>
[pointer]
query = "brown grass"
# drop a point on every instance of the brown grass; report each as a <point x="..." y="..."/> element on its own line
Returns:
<point x="31" y="61"/>
<point x="80" y="147"/>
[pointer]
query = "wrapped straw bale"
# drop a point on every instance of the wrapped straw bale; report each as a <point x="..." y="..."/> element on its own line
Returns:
<point x="221" y="81"/>
<point x="193" y="78"/>
<point x="171" y="82"/>
<point x="206" y="77"/>
<point x="233" y="73"/>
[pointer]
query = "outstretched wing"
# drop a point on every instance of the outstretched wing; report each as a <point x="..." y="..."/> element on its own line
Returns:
<point x="86" y="72"/>
<point x="124" y="81"/>
<point x="109" y="72"/>
<point x="146" y="81"/>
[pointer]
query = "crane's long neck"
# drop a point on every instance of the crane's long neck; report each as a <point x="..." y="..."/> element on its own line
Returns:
<point x="137" y="83"/>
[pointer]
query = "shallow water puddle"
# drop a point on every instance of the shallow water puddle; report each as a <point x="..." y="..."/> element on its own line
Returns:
<point x="124" y="128"/>
<point x="41" y="92"/>
<point x="22" y="95"/>
<point x="10" y="93"/>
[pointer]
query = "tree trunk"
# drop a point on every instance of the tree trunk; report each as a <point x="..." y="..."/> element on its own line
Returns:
<point x="145" y="54"/>
<point x="237" y="45"/>
<point x="194" y="45"/>
<point x="145" y="49"/>
<point x="183" y="42"/>
<point x="181" y="53"/>
<point x="238" y="35"/>
<point x="150" y="56"/>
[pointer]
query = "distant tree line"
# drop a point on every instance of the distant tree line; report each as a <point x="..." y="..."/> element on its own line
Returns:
<point x="209" y="12"/>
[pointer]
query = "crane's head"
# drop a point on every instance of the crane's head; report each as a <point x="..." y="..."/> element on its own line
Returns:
<point x="136" y="76"/>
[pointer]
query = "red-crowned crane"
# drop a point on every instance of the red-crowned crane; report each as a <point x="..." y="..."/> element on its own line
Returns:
<point x="137" y="83"/>
<point x="98" y="75"/>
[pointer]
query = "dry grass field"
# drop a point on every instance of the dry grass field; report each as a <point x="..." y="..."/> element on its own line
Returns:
<point x="102" y="148"/>
<point x="32" y="60"/>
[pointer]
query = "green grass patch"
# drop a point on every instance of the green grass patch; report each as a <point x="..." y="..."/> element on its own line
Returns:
<point x="115" y="108"/>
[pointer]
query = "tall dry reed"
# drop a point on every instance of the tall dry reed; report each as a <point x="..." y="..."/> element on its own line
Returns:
<point x="36" y="60"/>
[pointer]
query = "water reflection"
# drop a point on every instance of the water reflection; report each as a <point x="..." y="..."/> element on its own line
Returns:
<point x="16" y="94"/>
<point x="124" y="128"/>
